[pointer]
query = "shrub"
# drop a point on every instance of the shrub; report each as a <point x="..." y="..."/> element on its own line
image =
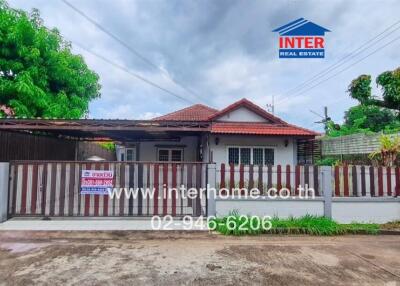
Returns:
<point x="235" y="224"/>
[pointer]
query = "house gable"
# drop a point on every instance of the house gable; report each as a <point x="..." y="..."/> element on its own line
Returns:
<point x="242" y="114"/>
<point x="245" y="111"/>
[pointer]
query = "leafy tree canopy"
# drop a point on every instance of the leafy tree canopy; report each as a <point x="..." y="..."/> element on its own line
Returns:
<point x="365" y="119"/>
<point x="389" y="82"/>
<point x="373" y="114"/>
<point x="39" y="76"/>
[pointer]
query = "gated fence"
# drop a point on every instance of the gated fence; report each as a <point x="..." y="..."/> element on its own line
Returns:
<point x="266" y="177"/>
<point x="347" y="181"/>
<point x="53" y="189"/>
<point x="366" y="181"/>
<point x="41" y="188"/>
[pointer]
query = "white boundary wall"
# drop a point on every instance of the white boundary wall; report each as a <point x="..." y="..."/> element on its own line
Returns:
<point x="341" y="209"/>
<point x="344" y="210"/>
<point x="374" y="210"/>
<point x="4" y="175"/>
<point x="262" y="207"/>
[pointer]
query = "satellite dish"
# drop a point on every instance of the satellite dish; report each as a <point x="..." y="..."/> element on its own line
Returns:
<point x="95" y="159"/>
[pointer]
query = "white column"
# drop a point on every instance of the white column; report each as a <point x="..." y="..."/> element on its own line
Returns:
<point x="211" y="185"/>
<point x="326" y="173"/>
<point x="4" y="181"/>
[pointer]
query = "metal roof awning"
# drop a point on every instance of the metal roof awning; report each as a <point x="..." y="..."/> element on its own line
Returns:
<point x="103" y="129"/>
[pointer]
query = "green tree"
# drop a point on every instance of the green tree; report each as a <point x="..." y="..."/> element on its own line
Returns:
<point x="389" y="82"/>
<point x="39" y="76"/>
<point x="374" y="113"/>
<point x="371" y="117"/>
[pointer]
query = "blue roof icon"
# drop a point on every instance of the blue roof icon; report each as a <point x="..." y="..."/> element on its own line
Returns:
<point x="301" y="27"/>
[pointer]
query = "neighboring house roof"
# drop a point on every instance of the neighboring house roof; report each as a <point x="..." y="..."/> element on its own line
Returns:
<point x="301" y="27"/>
<point x="197" y="112"/>
<point x="7" y="110"/>
<point x="255" y="128"/>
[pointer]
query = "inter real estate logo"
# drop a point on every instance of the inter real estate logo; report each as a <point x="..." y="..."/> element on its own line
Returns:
<point x="301" y="39"/>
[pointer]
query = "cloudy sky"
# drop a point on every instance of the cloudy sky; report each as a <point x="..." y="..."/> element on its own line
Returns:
<point x="223" y="51"/>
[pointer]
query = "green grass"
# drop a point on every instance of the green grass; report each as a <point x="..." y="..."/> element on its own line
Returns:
<point x="235" y="224"/>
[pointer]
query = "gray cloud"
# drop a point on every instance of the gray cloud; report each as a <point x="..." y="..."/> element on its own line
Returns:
<point x="224" y="50"/>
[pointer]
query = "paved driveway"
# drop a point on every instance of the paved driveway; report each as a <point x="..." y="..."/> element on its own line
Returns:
<point x="173" y="258"/>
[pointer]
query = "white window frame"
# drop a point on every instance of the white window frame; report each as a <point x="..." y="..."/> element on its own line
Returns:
<point x="133" y="153"/>
<point x="251" y="152"/>
<point x="170" y="153"/>
<point x="124" y="153"/>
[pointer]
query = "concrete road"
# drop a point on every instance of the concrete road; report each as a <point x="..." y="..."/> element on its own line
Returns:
<point x="96" y="224"/>
<point x="195" y="258"/>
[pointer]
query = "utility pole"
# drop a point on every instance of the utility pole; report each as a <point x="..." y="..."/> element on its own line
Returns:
<point x="325" y="118"/>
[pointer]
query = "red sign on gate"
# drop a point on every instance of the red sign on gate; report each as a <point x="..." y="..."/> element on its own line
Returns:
<point x="94" y="182"/>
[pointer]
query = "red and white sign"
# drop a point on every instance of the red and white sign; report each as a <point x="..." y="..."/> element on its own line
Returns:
<point x="94" y="182"/>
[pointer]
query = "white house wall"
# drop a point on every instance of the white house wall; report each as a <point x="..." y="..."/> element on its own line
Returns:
<point x="283" y="155"/>
<point x="148" y="150"/>
<point x="242" y="114"/>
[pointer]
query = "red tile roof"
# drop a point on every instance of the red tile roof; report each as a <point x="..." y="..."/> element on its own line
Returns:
<point x="197" y="112"/>
<point x="252" y="128"/>
<point x="272" y="126"/>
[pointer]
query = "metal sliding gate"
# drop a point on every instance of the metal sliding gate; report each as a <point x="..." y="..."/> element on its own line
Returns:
<point x="41" y="188"/>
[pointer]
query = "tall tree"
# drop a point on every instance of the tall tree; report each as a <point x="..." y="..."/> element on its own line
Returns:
<point x="389" y="82"/>
<point x="39" y="76"/>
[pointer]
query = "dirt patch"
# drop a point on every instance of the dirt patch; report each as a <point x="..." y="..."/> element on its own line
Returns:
<point x="22" y="247"/>
<point x="117" y="258"/>
<point x="391" y="226"/>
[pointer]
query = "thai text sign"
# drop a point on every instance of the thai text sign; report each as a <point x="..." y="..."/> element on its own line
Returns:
<point x="96" y="182"/>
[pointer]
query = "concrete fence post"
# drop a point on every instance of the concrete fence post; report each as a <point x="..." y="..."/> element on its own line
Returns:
<point x="326" y="177"/>
<point x="211" y="189"/>
<point x="4" y="181"/>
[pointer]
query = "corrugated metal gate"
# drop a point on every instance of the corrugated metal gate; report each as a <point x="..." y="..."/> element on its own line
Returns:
<point x="39" y="188"/>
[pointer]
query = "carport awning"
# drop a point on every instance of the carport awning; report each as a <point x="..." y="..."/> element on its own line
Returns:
<point x="103" y="130"/>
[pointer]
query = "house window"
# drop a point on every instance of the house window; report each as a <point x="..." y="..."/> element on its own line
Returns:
<point x="269" y="156"/>
<point x="129" y="154"/>
<point x="163" y="155"/>
<point x="176" y="155"/>
<point x="251" y="155"/>
<point x="258" y="156"/>
<point x="245" y="156"/>
<point x="173" y="155"/>
<point x="233" y="155"/>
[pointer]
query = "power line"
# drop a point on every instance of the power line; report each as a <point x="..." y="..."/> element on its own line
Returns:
<point x="127" y="46"/>
<point x="133" y="74"/>
<point x="354" y="63"/>
<point x="365" y="46"/>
